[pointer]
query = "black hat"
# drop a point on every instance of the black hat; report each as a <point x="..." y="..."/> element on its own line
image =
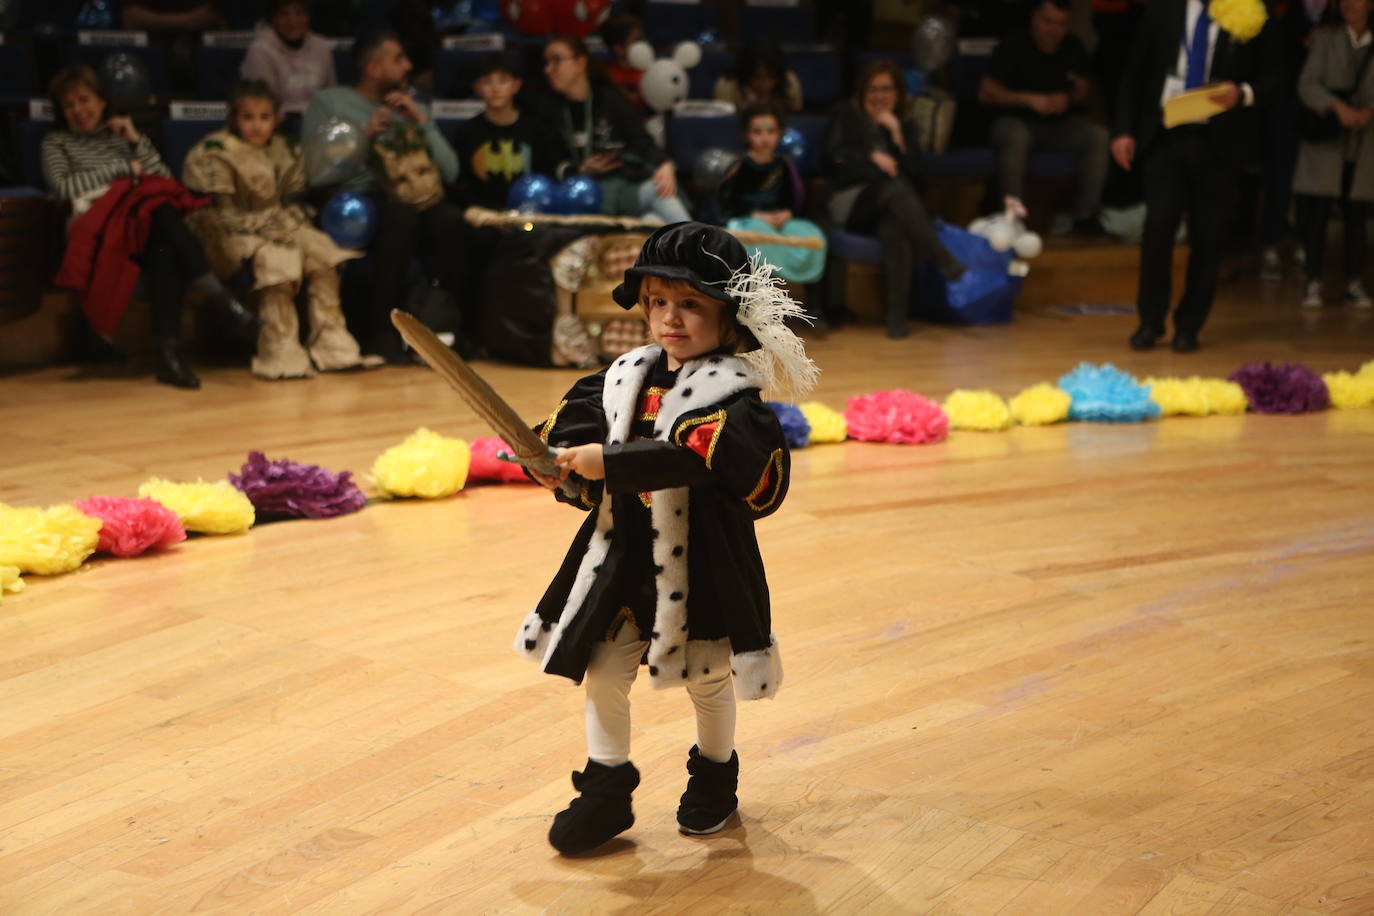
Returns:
<point x="705" y="257"/>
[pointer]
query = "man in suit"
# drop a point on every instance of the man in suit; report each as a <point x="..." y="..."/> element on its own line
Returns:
<point x="1192" y="167"/>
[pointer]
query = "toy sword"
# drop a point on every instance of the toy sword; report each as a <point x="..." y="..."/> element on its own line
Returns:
<point x="531" y="451"/>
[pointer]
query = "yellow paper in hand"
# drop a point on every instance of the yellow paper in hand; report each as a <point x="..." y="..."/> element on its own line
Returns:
<point x="1194" y="106"/>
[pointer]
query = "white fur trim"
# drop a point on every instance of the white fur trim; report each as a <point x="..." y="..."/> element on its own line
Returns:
<point x="532" y="639"/>
<point x="757" y="674"/>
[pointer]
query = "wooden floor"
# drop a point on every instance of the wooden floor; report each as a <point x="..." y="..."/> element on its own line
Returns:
<point x="1071" y="670"/>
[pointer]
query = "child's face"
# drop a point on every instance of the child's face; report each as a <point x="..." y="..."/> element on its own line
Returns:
<point x="254" y="120"/>
<point x="683" y="322"/>
<point x="762" y="136"/>
<point x="497" y="89"/>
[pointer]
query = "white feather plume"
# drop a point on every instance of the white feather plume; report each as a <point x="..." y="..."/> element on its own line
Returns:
<point x="764" y="307"/>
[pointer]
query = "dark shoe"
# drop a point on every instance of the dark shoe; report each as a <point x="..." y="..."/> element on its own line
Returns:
<point x="170" y="369"/>
<point x="710" y="797"/>
<point x="600" y="812"/>
<point x="1090" y="227"/>
<point x="1145" y="337"/>
<point x="241" y="320"/>
<point x="1184" y="342"/>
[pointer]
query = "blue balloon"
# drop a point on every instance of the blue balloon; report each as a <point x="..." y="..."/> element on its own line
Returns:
<point x="578" y="194"/>
<point x="531" y="194"/>
<point x="95" y="14"/>
<point x="350" y="219"/>
<point x="793" y="144"/>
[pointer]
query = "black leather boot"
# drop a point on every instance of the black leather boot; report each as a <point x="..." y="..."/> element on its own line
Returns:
<point x="240" y="319"/>
<point x="170" y="369"/>
<point x="710" y="797"/>
<point x="601" y="811"/>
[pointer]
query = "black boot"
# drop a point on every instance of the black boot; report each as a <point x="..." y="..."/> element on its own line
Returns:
<point x="240" y="319"/>
<point x="710" y="797"/>
<point x="170" y="369"/>
<point x="601" y="811"/>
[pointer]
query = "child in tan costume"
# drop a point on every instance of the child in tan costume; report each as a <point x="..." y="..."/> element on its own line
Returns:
<point x="256" y="178"/>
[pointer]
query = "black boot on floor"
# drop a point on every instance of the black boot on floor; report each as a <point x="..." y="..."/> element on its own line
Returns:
<point x="710" y="797"/>
<point x="600" y="812"/>
<point x="170" y="369"/>
<point x="239" y="319"/>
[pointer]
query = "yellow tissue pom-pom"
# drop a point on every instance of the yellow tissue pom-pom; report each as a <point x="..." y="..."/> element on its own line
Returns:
<point x="426" y="464"/>
<point x="827" y="425"/>
<point x="10" y="583"/>
<point x="1196" y="396"/>
<point x="46" y="542"/>
<point x="1040" y="405"/>
<point x="980" y="410"/>
<point x="210" y="508"/>
<point x="1350" y="392"/>
<point x="1367" y="368"/>
<point x="1241" y="19"/>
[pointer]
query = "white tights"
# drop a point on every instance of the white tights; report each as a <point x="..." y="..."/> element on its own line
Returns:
<point x="609" y="675"/>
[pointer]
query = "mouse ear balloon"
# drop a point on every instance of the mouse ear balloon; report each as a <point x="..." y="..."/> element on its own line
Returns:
<point x="932" y="43"/>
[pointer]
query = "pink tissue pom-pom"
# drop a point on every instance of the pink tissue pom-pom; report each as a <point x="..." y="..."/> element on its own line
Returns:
<point x="896" y="416"/>
<point x="487" y="468"/>
<point x="129" y="527"/>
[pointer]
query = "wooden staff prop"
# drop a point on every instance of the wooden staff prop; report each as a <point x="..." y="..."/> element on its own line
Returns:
<point x="481" y="216"/>
<point x="529" y="450"/>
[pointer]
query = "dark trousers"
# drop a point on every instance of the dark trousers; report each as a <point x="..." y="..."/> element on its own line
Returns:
<point x="172" y="258"/>
<point x="437" y="235"/>
<point x="1184" y="173"/>
<point x="1354" y="213"/>
<point x="892" y="211"/>
<point x="1279" y="136"/>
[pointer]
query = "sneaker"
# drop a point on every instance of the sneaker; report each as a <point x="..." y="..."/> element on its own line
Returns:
<point x="1312" y="297"/>
<point x="1356" y="296"/>
<point x="1271" y="267"/>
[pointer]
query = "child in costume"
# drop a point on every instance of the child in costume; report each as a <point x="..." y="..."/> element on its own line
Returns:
<point x="762" y="192"/>
<point x="677" y="456"/>
<point x="256" y="178"/>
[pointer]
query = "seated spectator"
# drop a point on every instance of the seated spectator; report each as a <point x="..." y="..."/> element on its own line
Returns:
<point x="619" y="32"/>
<point x="256" y="179"/>
<point x="292" y="60"/>
<point x="874" y="161"/>
<point x="501" y="144"/>
<point x="1339" y="169"/>
<point x="175" y="26"/>
<point x="407" y="165"/>
<point x="762" y="192"/>
<point x="1035" y="80"/>
<point x="119" y="187"/>
<point x="605" y="138"/>
<point x="760" y="75"/>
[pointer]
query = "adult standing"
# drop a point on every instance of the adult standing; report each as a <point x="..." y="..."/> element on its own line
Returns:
<point x="1338" y="79"/>
<point x="407" y="166"/>
<point x="1191" y="168"/>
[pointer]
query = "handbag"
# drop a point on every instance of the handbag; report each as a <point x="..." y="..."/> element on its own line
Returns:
<point x="1323" y="127"/>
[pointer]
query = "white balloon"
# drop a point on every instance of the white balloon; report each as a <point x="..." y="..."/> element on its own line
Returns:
<point x="1029" y="245"/>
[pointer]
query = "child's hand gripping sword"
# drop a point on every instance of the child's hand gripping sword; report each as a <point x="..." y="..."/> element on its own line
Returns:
<point x="530" y="450"/>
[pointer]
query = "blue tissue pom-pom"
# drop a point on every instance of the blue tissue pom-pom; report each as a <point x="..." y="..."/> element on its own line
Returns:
<point x="795" y="429"/>
<point x="1105" y="394"/>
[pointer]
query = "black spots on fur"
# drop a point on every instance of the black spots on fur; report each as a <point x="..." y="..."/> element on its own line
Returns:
<point x="621" y="363"/>
<point x="675" y="596"/>
<point x="529" y="645"/>
<point x="712" y="372"/>
<point x="715" y="360"/>
<point x="615" y="442"/>
<point x="677" y="551"/>
<point x="546" y="626"/>
<point x="653" y="671"/>
<point x="740" y="374"/>
<point x="686" y="392"/>
<point x="619" y="380"/>
<point x="639" y="361"/>
<point x="654" y="635"/>
<point x="692" y="373"/>
<point x="673" y="649"/>
<point x="658" y="570"/>
<point x="527" y="626"/>
<point x="684" y="672"/>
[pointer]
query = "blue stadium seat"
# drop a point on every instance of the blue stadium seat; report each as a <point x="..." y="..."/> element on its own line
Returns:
<point x="672" y="22"/>
<point x="854" y="247"/>
<point x="818" y="70"/>
<point x="217" y="70"/>
<point x="18" y="74"/>
<point x="689" y="137"/>
<point x="152" y="56"/>
<point x="31" y="134"/>
<point x="813" y="129"/>
<point x="783" y="24"/>
<point x="179" y="136"/>
<point x="701" y="79"/>
<point x="345" y="70"/>
<point x="454" y="71"/>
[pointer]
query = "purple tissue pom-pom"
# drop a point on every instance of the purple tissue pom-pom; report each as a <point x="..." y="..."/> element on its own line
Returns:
<point x="795" y="428"/>
<point x="1287" y="388"/>
<point x="291" y="490"/>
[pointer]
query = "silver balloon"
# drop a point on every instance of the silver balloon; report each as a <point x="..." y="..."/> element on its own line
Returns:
<point x="933" y="43"/>
<point x="711" y="166"/>
<point x="334" y="151"/>
<point x="125" y="74"/>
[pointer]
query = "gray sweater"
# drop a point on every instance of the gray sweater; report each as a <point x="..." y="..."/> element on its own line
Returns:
<point x="345" y="103"/>
<point x="76" y="164"/>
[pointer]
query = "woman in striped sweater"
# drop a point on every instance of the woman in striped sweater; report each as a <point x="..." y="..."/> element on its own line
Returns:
<point x="81" y="159"/>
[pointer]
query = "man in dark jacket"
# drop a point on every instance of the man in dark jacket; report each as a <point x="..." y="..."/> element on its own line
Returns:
<point x="1191" y="167"/>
